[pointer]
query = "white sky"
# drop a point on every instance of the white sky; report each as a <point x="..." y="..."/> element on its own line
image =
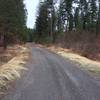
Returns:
<point x="32" y="7"/>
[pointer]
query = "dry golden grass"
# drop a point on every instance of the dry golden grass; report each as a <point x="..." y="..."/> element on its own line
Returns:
<point x="90" y="65"/>
<point x="12" y="51"/>
<point x="11" y="70"/>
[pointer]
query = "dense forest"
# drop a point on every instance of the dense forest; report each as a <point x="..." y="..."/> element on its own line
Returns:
<point x="70" y="15"/>
<point x="71" y="23"/>
<point x="12" y="21"/>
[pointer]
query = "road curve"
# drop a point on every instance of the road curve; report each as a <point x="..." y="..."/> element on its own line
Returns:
<point x="51" y="77"/>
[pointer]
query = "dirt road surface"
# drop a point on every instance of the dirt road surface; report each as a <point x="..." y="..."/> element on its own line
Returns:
<point x="51" y="77"/>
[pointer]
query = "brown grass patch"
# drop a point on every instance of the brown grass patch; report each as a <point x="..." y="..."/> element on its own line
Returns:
<point x="12" y="69"/>
<point x="88" y="64"/>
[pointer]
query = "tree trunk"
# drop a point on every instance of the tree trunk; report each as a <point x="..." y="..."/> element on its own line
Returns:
<point x="5" y="42"/>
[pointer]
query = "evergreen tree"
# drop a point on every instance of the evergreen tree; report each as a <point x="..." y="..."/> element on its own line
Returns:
<point x="81" y="15"/>
<point x="76" y="18"/>
<point x="84" y="7"/>
<point x="52" y="17"/>
<point x="93" y="14"/>
<point x="61" y="16"/>
<point x="98" y="20"/>
<point x="69" y="14"/>
<point x="12" y="18"/>
<point x="46" y="20"/>
<point x="42" y="21"/>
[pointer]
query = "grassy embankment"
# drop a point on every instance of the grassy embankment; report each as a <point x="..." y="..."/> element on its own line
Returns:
<point x="83" y="62"/>
<point x="11" y="65"/>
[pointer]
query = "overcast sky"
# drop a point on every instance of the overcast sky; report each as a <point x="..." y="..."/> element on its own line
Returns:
<point x="31" y="6"/>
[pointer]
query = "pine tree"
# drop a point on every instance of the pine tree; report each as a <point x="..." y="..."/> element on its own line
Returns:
<point x="12" y="18"/>
<point x="52" y="17"/>
<point x="42" y="22"/>
<point x="93" y="14"/>
<point x="46" y="20"/>
<point x="84" y="16"/>
<point x="76" y="18"/>
<point x="69" y="14"/>
<point x="98" y="21"/>
<point x="61" y="16"/>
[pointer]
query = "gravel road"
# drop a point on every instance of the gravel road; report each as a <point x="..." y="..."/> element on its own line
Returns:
<point x="51" y="77"/>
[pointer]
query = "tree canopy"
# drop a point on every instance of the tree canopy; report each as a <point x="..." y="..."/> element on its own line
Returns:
<point x="12" y="18"/>
<point x="70" y="15"/>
